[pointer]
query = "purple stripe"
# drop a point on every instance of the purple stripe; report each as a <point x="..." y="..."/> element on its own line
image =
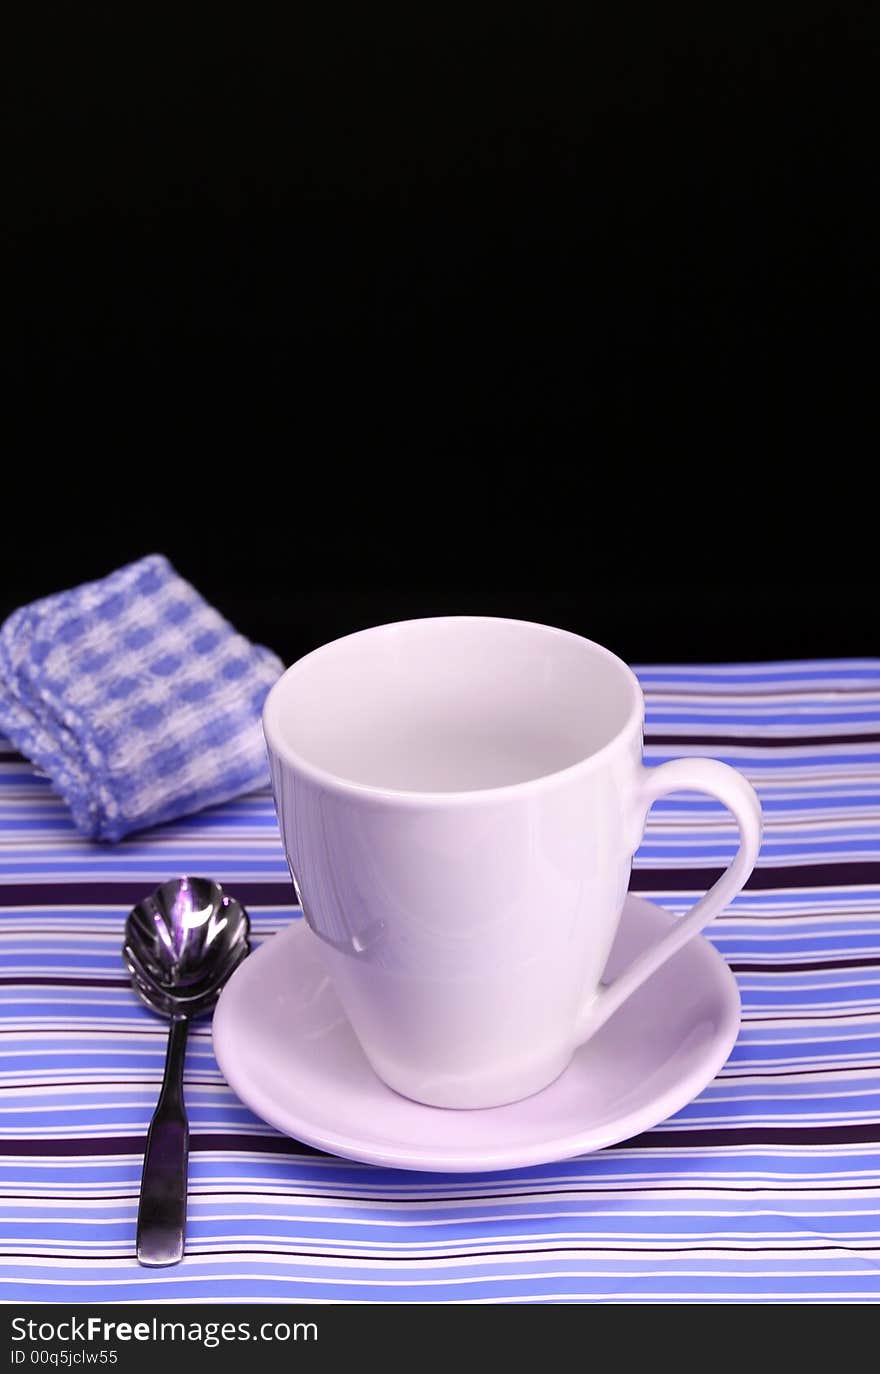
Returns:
<point x="29" y="981"/>
<point x="863" y="1133"/>
<point x="855" y="1134"/>
<point x="728" y="691"/>
<point x="818" y="967"/>
<point x="792" y="1072"/>
<point x="423" y="1200"/>
<point x="847" y="873"/>
<point x="134" y="1145"/>
<point x="762" y="741"/>
<point x="855" y="873"/>
<point x="815" y="1016"/>
<point x="368" y="1256"/>
<point x="126" y="894"/>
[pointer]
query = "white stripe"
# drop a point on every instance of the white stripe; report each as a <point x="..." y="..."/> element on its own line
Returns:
<point x="385" y="1281"/>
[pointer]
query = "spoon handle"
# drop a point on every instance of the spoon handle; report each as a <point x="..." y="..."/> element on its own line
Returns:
<point x="161" y="1224"/>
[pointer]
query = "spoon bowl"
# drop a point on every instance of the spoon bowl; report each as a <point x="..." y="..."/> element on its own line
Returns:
<point x="182" y="943"/>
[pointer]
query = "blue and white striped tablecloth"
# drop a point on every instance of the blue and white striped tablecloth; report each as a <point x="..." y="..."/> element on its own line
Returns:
<point x="767" y="1188"/>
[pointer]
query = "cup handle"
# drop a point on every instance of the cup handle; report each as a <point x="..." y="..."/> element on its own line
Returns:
<point x="733" y="791"/>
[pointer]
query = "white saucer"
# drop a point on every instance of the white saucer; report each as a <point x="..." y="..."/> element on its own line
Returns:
<point x="287" y="1050"/>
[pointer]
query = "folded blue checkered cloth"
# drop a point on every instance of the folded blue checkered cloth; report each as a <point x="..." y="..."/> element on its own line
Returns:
<point x="136" y="697"/>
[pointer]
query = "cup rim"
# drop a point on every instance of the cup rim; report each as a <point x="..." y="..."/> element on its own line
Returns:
<point x="277" y="745"/>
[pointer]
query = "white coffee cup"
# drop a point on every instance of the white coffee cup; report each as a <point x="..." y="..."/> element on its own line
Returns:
<point x="460" y="800"/>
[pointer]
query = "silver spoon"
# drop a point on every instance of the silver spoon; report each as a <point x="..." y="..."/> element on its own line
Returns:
<point x="181" y="945"/>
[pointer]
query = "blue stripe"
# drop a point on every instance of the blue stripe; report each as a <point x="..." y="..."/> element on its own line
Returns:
<point x="770" y="676"/>
<point x="829" y="800"/>
<point x="774" y="760"/>
<point x="287" y="1281"/>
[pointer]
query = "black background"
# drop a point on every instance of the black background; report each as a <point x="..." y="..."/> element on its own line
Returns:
<point x="367" y="314"/>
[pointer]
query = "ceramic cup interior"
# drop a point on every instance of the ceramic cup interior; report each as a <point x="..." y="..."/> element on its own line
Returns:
<point x="457" y="704"/>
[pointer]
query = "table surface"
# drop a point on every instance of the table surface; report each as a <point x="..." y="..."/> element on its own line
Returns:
<point x="766" y="1188"/>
